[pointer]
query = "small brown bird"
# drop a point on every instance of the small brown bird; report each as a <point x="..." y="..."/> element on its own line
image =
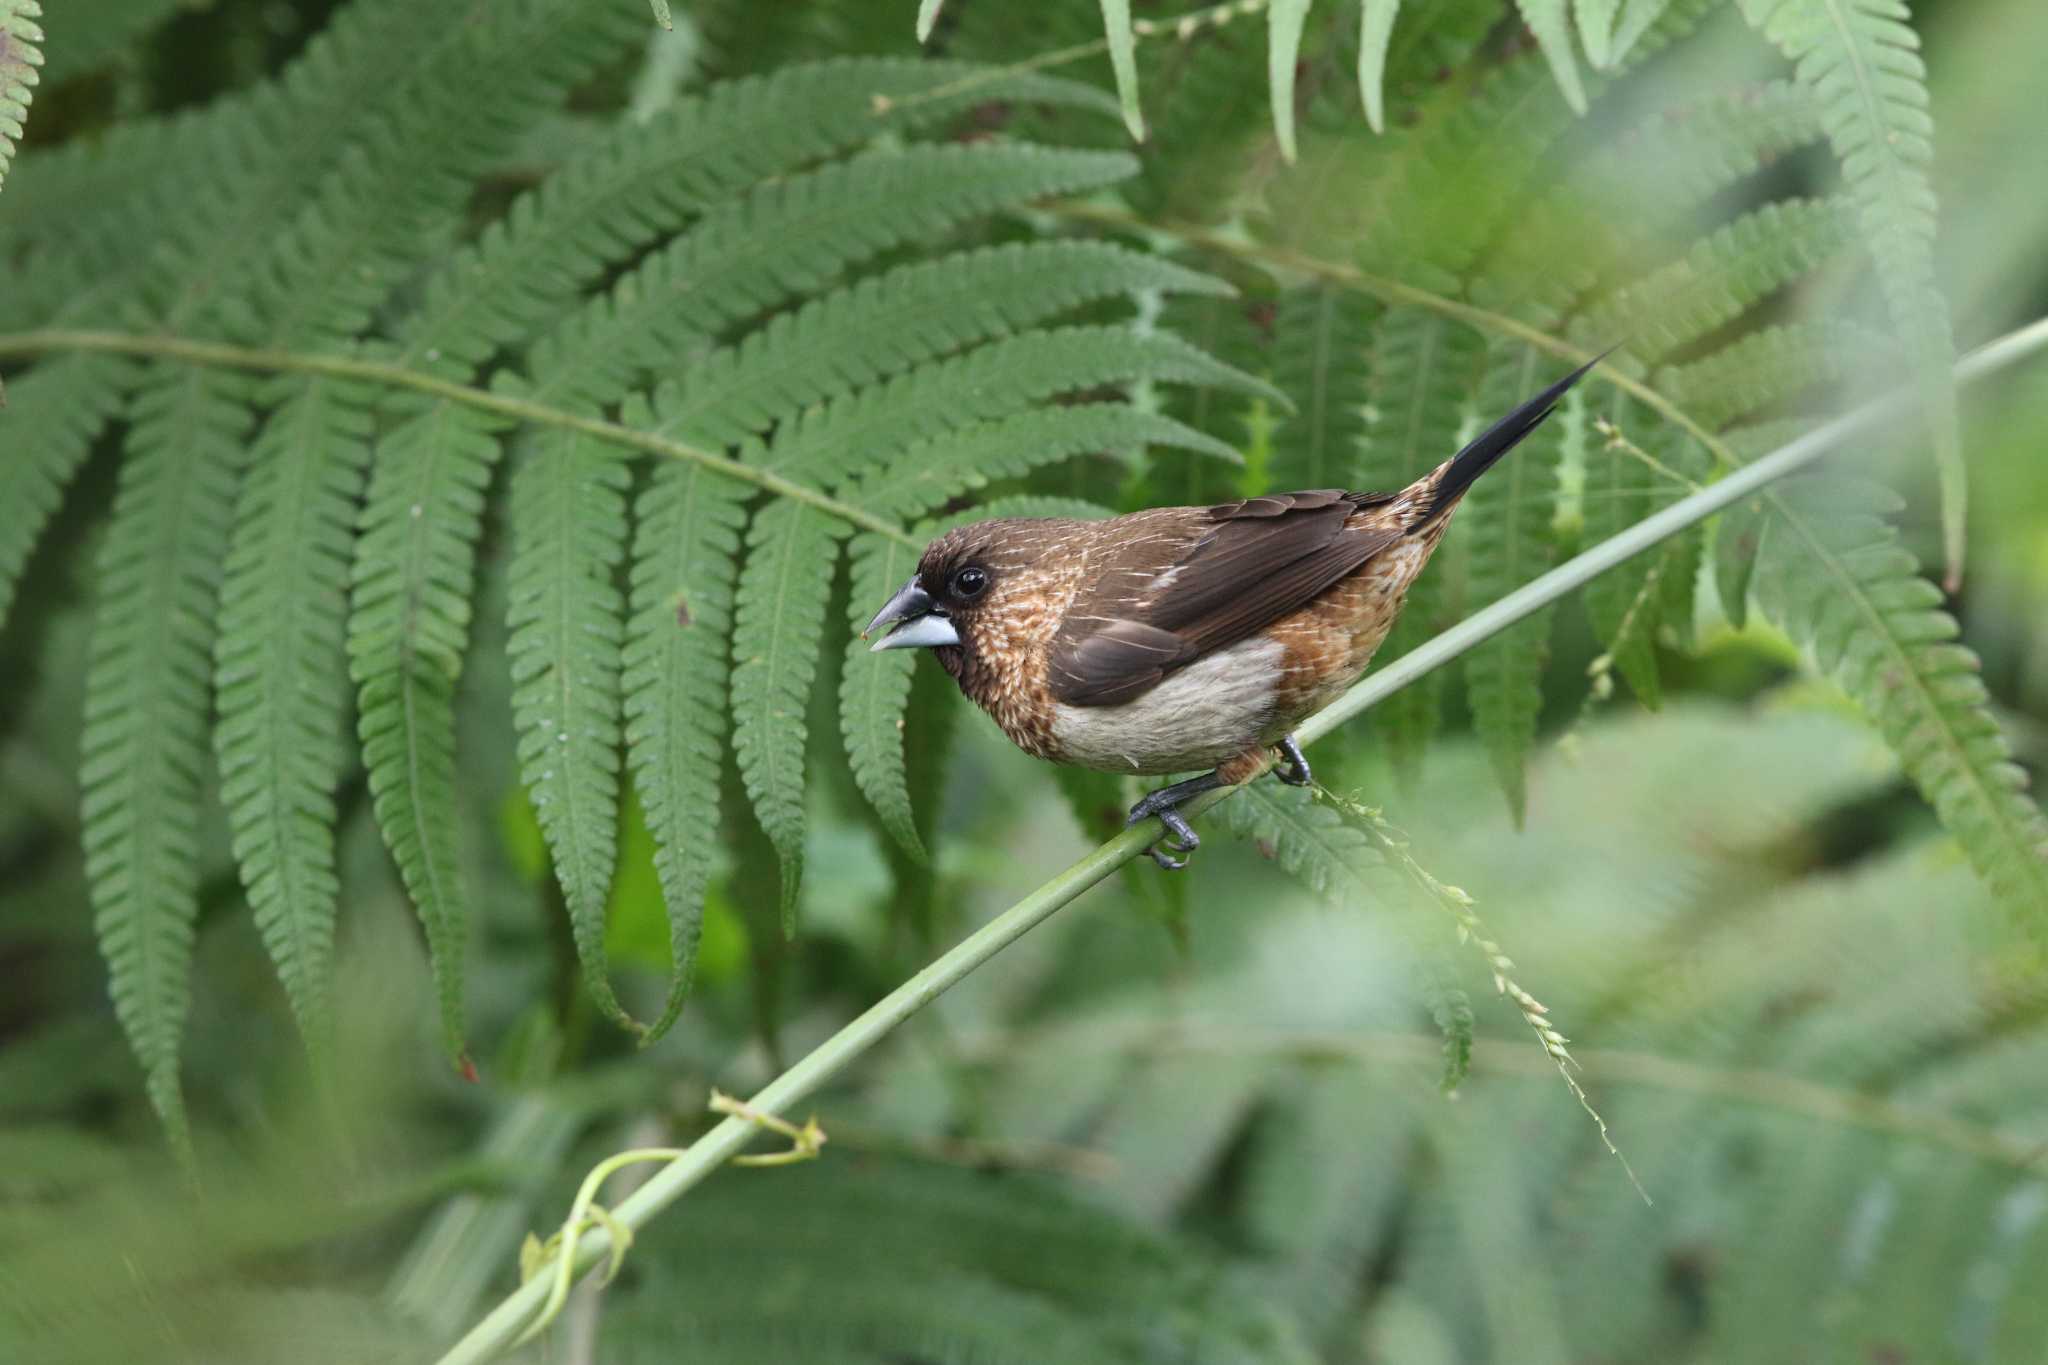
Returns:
<point x="1182" y="637"/>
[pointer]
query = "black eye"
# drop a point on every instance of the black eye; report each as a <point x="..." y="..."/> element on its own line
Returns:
<point x="968" y="583"/>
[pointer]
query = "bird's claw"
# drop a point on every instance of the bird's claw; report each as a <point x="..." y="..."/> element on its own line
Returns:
<point x="1183" y="838"/>
<point x="1293" y="767"/>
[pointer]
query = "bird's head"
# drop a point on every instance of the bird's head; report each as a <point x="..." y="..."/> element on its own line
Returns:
<point x="971" y="589"/>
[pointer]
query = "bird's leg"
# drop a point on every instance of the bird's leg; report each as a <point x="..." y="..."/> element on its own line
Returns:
<point x="1164" y="805"/>
<point x="1293" y="769"/>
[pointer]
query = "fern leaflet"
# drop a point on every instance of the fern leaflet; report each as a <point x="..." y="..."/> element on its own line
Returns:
<point x="874" y="689"/>
<point x="19" y="59"/>
<point x="931" y="472"/>
<point x="569" y="522"/>
<point x="146" y="706"/>
<point x="1322" y="342"/>
<point x="1861" y="60"/>
<point x="281" y="675"/>
<point x="1375" y="30"/>
<point x="1506" y="521"/>
<point x="1550" y="23"/>
<point x="791" y="553"/>
<point x="52" y="417"/>
<point x="998" y="380"/>
<point x="677" y="641"/>
<point x="1423" y="371"/>
<point x="408" y="629"/>
<point x="1832" y="571"/>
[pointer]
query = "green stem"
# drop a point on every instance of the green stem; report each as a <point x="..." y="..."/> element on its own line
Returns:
<point x="399" y="377"/>
<point x="505" y="1322"/>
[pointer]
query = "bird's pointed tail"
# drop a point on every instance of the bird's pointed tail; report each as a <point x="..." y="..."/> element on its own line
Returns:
<point x="1497" y="440"/>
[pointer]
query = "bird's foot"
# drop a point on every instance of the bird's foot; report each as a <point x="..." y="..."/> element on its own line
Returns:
<point x="1293" y="767"/>
<point x="1164" y="806"/>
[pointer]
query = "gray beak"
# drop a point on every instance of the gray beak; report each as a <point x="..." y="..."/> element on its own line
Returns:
<point x="918" y="622"/>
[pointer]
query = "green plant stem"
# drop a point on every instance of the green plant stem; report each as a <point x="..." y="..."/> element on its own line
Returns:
<point x="399" y="377"/>
<point x="505" y="1322"/>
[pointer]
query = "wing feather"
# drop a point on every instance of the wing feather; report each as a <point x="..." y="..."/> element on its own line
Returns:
<point x="1244" y="565"/>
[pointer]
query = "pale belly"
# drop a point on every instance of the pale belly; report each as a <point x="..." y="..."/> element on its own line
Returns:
<point x="1206" y="713"/>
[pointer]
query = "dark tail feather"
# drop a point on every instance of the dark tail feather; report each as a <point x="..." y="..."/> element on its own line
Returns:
<point x="1496" y="441"/>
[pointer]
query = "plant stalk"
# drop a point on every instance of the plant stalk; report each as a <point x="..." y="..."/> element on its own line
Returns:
<point x="497" y="1331"/>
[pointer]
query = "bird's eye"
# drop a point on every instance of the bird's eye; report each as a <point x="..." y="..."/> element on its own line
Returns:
<point x="969" y="583"/>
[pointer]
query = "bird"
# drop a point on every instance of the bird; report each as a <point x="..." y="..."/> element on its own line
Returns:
<point x="1180" y="638"/>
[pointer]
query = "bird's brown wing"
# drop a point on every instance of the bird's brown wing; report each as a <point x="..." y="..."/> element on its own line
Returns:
<point x="1202" y="583"/>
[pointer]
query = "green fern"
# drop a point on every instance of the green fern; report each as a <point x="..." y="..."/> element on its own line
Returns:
<point x="1861" y="61"/>
<point x="19" y="59"/>
<point x="146" y="706"/>
<point x="1765" y="369"/>
<point x="1322" y="344"/>
<point x="678" y="637"/>
<point x="1424" y="369"/>
<point x="791" y="553"/>
<point x="1627" y="605"/>
<point x="1506" y="523"/>
<point x="282" y="639"/>
<point x="569" y="521"/>
<point x="1375" y="32"/>
<point x="1551" y="25"/>
<point x="1312" y="842"/>
<point x="931" y="472"/>
<point x="280" y="675"/>
<point x="1832" y="572"/>
<point x="998" y="380"/>
<point x="408" y="629"/>
<point x="52" y="417"/>
<point x="1722" y="277"/>
<point x="874" y="693"/>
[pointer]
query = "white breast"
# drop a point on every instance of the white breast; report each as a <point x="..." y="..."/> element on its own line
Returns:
<point x="1209" y="711"/>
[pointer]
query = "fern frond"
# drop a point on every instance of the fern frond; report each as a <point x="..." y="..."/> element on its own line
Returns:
<point x="1460" y="173"/>
<point x="386" y="205"/>
<point x="1831" y="571"/>
<point x="1375" y="31"/>
<point x="1552" y="27"/>
<point x="1506" y="522"/>
<point x="779" y="628"/>
<point x="20" y="58"/>
<point x="790" y="235"/>
<point x="269" y="159"/>
<point x="146" y="706"/>
<point x="678" y="637"/>
<point x="568" y="515"/>
<point x="283" y="627"/>
<point x="1123" y="59"/>
<point x="53" y="415"/>
<point x="645" y="180"/>
<point x="1312" y="842"/>
<point x="1861" y="60"/>
<point x="1721" y="277"/>
<point x="1424" y="368"/>
<point x="1766" y="368"/>
<point x="1232" y="330"/>
<point x="997" y="380"/>
<point x="409" y="614"/>
<point x="1284" y="20"/>
<point x="1636" y="20"/>
<point x="1677" y="163"/>
<point x="891" y="323"/>
<point x="1626" y="605"/>
<point x="930" y="473"/>
<point x="280" y="671"/>
<point x="1322" y="342"/>
<point x="874" y="690"/>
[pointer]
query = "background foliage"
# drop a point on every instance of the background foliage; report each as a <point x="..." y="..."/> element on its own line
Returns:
<point x="454" y="662"/>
